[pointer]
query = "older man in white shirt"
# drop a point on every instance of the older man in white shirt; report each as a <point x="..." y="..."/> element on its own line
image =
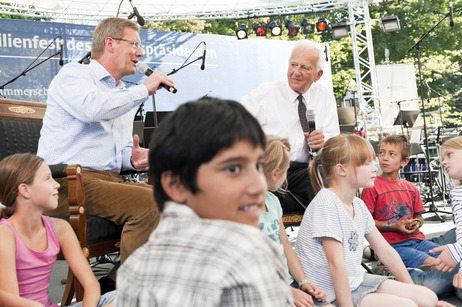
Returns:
<point x="277" y="106"/>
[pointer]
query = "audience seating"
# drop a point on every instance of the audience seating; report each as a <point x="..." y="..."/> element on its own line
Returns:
<point x="20" y="124"/>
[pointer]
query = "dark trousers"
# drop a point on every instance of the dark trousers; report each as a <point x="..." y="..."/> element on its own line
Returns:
<point x="299" y="184"/>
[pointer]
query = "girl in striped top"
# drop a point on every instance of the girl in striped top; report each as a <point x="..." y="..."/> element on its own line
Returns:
<point x="451" y="159"/>
<point x="331" y="236"/>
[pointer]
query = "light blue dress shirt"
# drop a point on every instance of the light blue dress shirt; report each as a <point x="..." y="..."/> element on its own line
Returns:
<point x="89" y="119"/>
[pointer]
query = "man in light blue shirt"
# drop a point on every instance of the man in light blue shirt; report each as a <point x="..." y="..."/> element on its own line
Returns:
<point x="89" y="120"/>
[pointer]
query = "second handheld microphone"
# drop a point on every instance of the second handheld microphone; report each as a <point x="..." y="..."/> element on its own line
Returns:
<point x="310" y="118"/>
<point x="144" y="69"/>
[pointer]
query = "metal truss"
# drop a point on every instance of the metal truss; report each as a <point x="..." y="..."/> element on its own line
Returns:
<point x="364" y="60"/>
<point x="92" y="17"/>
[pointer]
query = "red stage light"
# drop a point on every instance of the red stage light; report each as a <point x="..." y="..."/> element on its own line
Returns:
<point x="259" y="29"/>
<point x="321" y="25"/>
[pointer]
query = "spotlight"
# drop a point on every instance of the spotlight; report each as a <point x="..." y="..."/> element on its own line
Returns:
<point x="339" y="30"/>
<point x="321" y="25"/>
<point x="275" y="28"/>
<point x="241" y="33"/>
<point x="307" y="26"/>
<point x="390" y="23"/>
<point x="259" y="29"/>
<point x="292" y="28"/>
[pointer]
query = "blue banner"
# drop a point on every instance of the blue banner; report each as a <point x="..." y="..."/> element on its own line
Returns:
<point x="232" y="67"/>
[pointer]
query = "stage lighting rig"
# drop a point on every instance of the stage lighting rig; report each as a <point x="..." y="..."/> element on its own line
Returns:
<point x="339" y="30"/>
<point x="321" y="25"/>
<point x="307" y="26"/>
<point x="241" y="32"/>
<point x="291" y="28"/>
<point x="275" y="29"/>
<point x="390" y="23"/>
<point x="259" y="29"/>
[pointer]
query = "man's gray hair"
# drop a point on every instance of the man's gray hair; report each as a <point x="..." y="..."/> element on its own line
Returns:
<point x="310" y="45"/>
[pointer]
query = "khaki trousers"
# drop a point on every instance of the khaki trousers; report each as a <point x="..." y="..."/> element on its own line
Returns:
<point x="124" y="203"/>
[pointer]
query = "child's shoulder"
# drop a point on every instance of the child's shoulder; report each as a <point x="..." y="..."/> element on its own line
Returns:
<point x="6" y="233"/>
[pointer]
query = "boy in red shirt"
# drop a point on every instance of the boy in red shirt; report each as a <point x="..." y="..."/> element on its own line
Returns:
<point x="397" y="208"/>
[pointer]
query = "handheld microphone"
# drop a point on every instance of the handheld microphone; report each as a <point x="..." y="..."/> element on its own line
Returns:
<point x="310" y="118"/>
<point x="451" y="15"/>
<point x="203" y="57"/>
<point x="144" y="69"/>
<point x="61" y="61"/>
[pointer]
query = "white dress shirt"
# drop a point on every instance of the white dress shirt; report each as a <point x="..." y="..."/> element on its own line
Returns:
<point x="275" y="105"/>
<point x="89" y="119"/>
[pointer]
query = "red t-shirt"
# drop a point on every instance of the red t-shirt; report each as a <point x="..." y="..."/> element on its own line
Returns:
<point x="393" y="201"/>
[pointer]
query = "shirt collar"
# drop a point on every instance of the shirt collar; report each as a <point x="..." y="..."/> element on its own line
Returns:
<point x="103" y="75"/>
<point x="293" y="96"/>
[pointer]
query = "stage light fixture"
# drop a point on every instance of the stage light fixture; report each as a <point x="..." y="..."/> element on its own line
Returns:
<point x="390" y="23"/>
<point x="275" y="29"/>
<point x="307" y="26"/>
<point x="291" y="27"/>
<point x="321" y="25"/>
<point x="241" y="32"/>
<point x="339" y="30"/>
<point x="259" y="29"/>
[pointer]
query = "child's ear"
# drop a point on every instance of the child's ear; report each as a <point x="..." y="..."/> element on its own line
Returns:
<point x="173" y="187"/>
<point x="274" y="174"/>
<point x="405" y="162"/>
<point x="340" y="170"/>
<point x="23" y="190"/>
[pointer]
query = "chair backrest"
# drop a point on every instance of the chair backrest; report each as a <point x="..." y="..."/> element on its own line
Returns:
<point x="20" y="124"/>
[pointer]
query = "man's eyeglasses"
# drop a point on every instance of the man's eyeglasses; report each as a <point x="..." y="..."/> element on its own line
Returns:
<point x="135" y="44"/>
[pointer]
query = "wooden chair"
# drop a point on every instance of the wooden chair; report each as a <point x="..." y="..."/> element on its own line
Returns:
<point x="20" y="124"/>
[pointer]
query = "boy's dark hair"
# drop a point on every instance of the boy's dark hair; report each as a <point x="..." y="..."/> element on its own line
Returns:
<point x="195" y="133"/>
<point x="400" y="140"/>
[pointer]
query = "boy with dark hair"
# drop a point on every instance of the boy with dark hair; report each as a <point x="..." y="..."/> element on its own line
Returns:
<point x="397" y="208"/>
<point x="205" y="162"/>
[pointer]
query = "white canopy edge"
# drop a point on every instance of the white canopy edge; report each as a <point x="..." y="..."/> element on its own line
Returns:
<point x="91" y="12"/>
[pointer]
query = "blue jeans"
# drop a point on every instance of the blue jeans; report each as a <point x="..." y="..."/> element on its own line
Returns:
<point x="439" y="282"/>
<point x="414" y="252"/>
<point x="448" y="237"/>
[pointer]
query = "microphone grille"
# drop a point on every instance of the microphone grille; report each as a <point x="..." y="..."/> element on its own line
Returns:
<point x="141" y="67"/>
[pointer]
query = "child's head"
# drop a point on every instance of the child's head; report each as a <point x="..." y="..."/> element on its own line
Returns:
<point x="343" y="149"/>
<point x="401" y="143"/>
<point x="394" y="151"/>
<point x="451" y="158"/>
<point x="204" y="140"/>
<point x="276" y="162"/>
<point x="15" y="170"/>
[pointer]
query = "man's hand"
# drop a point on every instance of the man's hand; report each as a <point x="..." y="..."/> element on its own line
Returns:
<point x="444" y="262"/>
<point x="155" y="81"/>
<point x="315" y="139"/>
<point x="139" y="157"/>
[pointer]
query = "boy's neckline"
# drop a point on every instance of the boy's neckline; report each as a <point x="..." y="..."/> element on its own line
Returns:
<point x="389" y="177"/>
